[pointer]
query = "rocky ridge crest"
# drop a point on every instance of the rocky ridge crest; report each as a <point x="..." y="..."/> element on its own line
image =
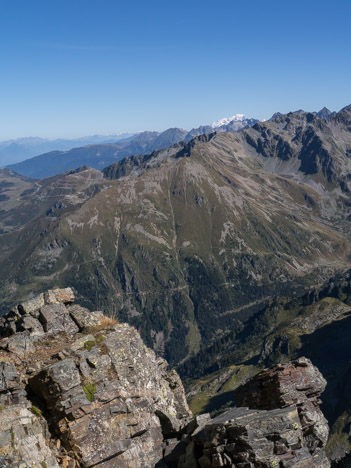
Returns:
<point x="278" y="424"/>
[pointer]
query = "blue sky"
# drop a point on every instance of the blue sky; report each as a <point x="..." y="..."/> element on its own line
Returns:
<point x="74" y="68"/>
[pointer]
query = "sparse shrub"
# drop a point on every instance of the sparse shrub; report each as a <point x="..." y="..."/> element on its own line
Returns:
<point x="104" y="323"/>
<point x="89" y="345"/>
<point x="99" y="339"/>
<point x="37" y="411"/>
<point x="89" y="389"/>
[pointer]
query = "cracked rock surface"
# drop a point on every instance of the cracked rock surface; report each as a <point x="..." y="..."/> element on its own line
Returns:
<point x="78" y="389"/>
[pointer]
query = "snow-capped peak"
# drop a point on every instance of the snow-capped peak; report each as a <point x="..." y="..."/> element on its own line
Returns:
<point x="227" y="120"/>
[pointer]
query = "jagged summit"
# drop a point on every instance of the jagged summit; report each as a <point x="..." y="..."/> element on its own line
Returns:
<point x="325" y="113"/>
<point x="346" y="108"/>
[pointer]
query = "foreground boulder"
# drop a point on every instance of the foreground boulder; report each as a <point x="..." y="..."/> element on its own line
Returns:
<point x="78" y="389"/>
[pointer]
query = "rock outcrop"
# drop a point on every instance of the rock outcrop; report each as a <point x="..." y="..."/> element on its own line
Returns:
<point x="298" y="384"/>
<point x="78" y="389"/>
<point x="279" y="424"/>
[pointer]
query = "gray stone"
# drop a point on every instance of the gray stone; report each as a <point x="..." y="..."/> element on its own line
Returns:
<point x="55" y="319"/>
<point x="31" y="305"/>
<point x="296" y="383"/>
<point x="102" y="393"/>
<point x="59" y="296"/>
<point x="20" y="344"/>
<point x="27" y="322"/>
<point x="9" y="377"/>
<point x="85" y="319"/>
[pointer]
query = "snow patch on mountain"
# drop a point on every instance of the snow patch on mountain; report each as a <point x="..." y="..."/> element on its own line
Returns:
<point x="227" y="120"/>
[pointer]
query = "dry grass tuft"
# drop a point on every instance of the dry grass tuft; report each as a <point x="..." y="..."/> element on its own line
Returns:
<point x="104" y="324"/>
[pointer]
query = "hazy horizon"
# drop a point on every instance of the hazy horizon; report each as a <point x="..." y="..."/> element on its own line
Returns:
<point x="95" y="134"/>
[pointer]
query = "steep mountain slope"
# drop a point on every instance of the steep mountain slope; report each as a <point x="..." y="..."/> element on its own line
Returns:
<point x="13" y="188"/>
<point x="316" y="325"/>
<point x="189" y="241"/>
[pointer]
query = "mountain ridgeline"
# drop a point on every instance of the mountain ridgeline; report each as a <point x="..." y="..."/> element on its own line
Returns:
<point x="13" y="151"/>
<point x="101" y="155"/>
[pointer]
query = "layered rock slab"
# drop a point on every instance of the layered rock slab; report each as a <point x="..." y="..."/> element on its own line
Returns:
<point x="106" y="398"/>
<point x="255" y="438"/>
<point x="278" y="424"/>
<point x="297" y="383"/>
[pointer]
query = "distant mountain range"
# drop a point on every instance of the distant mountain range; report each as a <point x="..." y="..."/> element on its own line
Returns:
<point x="101" y="155"/>
<point x="100" y="151"/>
<point x="13" y="151"/>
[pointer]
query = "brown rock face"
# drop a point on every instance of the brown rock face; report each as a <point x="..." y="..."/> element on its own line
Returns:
<point x="78" y="389"/>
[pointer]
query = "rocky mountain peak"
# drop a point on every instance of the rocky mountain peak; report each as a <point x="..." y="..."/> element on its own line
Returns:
<point x="296" y="383"/>
<point x="325" y="113"/>
<point x="343" y="117"/>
